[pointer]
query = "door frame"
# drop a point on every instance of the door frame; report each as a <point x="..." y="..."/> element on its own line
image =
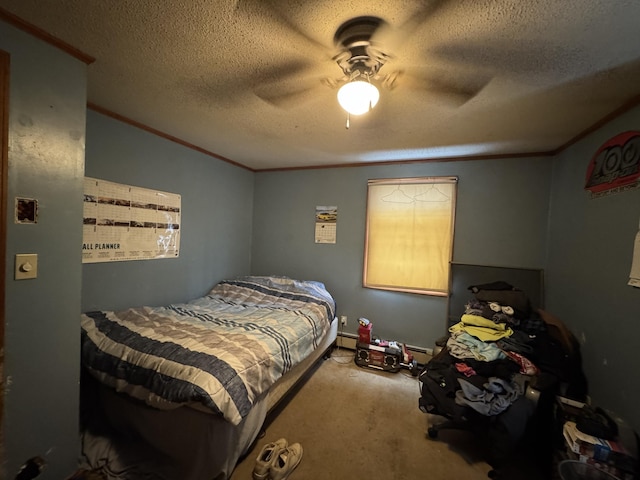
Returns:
<point x="4" y="167"/>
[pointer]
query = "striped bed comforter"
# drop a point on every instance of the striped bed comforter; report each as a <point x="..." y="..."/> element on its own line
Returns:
<point x="219" y="352"/>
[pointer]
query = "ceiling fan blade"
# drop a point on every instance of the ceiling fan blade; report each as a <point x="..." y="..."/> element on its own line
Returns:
<point x="268" y="11"/>
<point x="287" y="96"/>
<point x="293" y="81"/>
<point x="285" y="72"/>
<point x="513" y="60"/>
<point x="455" y="89"/>
<point x="229" y="87"/>
<point x="389" y="38"/>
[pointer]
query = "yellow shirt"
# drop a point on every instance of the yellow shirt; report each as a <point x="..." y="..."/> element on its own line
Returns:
<point x="482" y="328"/>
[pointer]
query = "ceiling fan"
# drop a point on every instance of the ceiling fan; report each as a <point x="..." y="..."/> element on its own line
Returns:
<point x="360" y="60"/>
<point x="363" y="45"/>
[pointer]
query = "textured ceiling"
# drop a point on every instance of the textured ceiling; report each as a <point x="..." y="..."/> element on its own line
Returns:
<point x="243" y="79"/>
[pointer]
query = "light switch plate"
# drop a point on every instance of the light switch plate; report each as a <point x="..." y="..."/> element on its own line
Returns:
<point x="26" y="266"/>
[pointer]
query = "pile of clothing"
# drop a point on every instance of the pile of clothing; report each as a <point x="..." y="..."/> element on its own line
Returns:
<point x="497" y="325"/>
<point x="498" y="349"/>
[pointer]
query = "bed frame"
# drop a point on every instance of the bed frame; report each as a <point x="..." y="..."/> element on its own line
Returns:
<point x="126" y="439"/>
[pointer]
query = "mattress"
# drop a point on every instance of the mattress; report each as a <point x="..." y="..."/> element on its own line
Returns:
<point x="219" y="353"/>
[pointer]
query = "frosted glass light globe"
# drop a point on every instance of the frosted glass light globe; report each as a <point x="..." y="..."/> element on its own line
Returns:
<point x="358" y="97"/>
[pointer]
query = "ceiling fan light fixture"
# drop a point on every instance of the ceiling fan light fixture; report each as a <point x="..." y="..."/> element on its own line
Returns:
<point x="358" y="97"/>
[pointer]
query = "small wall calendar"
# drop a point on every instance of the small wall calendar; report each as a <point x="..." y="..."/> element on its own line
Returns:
<point x="326" y="223"/>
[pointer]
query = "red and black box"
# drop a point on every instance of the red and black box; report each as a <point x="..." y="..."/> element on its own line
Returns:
<point x="364" y="333"/>
<point x="382" y="358"/>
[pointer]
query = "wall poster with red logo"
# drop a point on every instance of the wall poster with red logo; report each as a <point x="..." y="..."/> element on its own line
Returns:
<point x="615" y="167"/>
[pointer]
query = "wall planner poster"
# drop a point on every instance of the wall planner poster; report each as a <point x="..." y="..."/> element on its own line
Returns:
<point x="122" y="222"/>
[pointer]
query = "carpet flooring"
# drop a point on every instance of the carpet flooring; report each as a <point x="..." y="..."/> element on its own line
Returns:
<point x="356" y="422"/>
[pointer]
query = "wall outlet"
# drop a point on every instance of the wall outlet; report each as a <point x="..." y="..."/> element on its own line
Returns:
<point x="343" y="319"/>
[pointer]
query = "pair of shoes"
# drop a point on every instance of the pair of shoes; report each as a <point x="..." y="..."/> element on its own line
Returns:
<point x="277" y="460"/>
<point x="266" y="458"/>
<point x="286" y="461"/>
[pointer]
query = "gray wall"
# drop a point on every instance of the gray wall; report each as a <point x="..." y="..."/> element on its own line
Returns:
<point x="590" y="251"/>
<point x="46" y="158"/>
<point x="501" y="220"/>
<point x="217" y="207"/>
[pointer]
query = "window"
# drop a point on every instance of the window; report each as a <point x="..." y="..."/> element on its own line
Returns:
<point x="409" y="237"/>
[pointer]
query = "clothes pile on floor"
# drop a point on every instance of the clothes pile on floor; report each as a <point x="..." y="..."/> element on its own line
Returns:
<point x="495" y="364"/>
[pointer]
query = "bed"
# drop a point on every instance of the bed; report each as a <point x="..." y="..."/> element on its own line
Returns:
<point x="182" y="391"/>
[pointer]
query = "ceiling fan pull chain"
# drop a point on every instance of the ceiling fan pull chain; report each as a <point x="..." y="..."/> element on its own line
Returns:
<point x="347" y="125"/>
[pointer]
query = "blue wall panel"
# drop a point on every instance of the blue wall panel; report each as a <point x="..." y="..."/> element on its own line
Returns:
<point x="501" y="220"/>
<point x="590" y="252"/>
<point x="215" y="231"/>
<point x="46" y="161"/>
